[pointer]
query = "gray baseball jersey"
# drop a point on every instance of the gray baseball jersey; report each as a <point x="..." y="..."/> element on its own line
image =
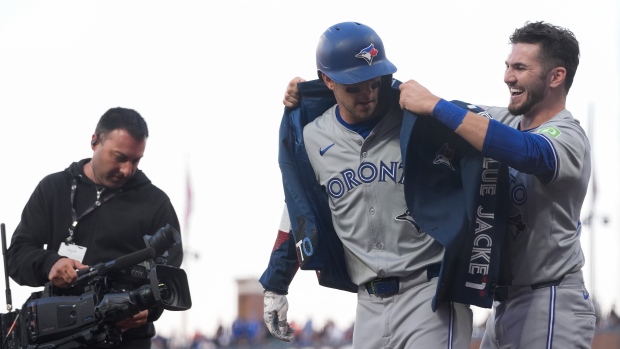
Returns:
<point x="545" y="222"/>
<point x="364" y="182"/>
<point x="543" y="239"/>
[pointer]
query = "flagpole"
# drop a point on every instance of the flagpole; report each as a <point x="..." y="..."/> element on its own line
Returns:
<point x="591" y="220"/>
<point x="187" y="253"/>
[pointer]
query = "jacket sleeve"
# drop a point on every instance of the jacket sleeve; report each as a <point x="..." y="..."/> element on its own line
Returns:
<point x="310" y="238"/>
<point x="29" y="263"/>
<point x="283" y="262"/>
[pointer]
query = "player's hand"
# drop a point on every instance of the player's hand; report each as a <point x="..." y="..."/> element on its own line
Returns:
<point x="63" y="272"/>
<point x="417" y="98"/>
<point x="292" y="96"/>
<point x="135" y="321"/>
<point x="274" y="314"/>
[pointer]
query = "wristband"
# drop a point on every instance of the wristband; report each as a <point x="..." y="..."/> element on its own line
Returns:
<point x="449" y="114"/>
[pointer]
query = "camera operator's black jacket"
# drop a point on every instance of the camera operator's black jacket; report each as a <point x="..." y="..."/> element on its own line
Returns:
<point x="114" y="229"/>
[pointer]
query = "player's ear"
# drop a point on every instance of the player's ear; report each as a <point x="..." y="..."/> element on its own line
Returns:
<point x="557" y="76"/>
<point x="331" y="84"/>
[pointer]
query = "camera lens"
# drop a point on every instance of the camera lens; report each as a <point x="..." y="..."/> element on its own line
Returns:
<point x="163" y="239"/>
<point x="164" y="292"/>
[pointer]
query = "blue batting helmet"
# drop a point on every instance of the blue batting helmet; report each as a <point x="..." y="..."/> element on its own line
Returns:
<point x="352" y="52"/>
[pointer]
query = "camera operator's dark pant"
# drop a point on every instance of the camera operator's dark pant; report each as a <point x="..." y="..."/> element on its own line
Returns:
<point x="134" y="344"/>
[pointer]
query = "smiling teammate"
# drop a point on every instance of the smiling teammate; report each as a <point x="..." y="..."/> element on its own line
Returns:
<point x="543" y="302"/>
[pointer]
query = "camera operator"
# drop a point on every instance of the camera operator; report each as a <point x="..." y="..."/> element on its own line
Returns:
<point x="96" y="210"/>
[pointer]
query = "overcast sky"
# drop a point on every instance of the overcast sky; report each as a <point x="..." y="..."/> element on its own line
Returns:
<point x="209" y="77"/>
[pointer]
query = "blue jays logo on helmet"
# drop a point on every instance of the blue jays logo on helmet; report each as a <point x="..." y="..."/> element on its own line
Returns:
<point x="444" y="156"/>
<point x="368" y="53"/>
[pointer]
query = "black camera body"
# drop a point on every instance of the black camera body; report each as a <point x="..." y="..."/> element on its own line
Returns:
<point x="85" y="314"/>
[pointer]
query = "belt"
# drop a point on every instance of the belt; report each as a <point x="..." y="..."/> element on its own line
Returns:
<point x="386" y="287"/>
<point x="501" y="292"/>
<point x="383" y="287"/>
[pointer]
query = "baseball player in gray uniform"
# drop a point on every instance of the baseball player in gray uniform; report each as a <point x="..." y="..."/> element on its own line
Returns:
<point x="543" y="302"/>
<point x="354" y="150"/>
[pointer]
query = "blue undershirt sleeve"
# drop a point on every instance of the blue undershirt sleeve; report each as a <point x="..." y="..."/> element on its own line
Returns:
<point x="526" y="152"/>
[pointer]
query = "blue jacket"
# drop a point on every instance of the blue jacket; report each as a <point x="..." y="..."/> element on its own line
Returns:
<point x="444" y="177"/>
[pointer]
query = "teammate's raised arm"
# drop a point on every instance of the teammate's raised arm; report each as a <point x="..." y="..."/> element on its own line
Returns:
<point x="292" y="96"/>
<point x="527" y="152"/>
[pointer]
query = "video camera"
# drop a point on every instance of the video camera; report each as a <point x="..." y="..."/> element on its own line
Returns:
<point x="85" y="314"/>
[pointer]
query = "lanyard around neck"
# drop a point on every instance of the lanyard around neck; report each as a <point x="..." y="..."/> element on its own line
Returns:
<point x="98" y="202"/>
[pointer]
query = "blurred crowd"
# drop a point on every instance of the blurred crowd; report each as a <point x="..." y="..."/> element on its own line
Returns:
<point x="254" y="335"/>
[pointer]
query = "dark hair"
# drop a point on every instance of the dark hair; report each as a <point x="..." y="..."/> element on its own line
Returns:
<point x="125" y="119"/>
<point x="558" y="46"/>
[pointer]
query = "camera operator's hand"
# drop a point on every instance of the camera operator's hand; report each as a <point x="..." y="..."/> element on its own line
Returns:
<point x="275" y="308"/>
<point x="135" y="321"/>
<point x="63" y="272"/>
